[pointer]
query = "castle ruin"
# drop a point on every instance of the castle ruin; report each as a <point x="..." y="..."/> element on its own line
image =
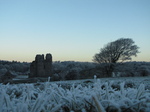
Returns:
<point x="41" y="67"/>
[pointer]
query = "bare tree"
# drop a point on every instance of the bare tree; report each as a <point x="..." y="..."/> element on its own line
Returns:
<point x="119" y="50"/>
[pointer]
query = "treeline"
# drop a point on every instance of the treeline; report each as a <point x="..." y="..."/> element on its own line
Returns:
<point x="83" y="70"/>
<point x="70" y="70"/>
<point x="14" y="67"/>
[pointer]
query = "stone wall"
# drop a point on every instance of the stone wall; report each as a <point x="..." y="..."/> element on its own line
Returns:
<point x="41" y="67"/>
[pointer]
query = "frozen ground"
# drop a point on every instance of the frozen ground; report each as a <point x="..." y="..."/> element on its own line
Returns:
<point x="135" y="80"/>
<point x="90" y="95"/>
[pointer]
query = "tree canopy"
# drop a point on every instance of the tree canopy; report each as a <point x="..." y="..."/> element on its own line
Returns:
<point x="120" y="50"/>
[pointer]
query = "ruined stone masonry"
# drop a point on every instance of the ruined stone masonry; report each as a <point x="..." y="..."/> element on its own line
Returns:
<point x="41" y="67"/>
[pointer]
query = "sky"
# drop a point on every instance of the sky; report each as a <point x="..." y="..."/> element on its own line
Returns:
<point x="71" y="30"/>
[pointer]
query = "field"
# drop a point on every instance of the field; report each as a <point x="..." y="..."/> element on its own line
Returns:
<point x="90" y="95"/>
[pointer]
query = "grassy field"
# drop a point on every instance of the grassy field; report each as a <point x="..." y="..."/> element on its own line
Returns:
<point x="130" y="94"/>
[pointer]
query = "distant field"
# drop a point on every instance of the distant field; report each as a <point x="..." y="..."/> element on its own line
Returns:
<point x="135" y="80"/>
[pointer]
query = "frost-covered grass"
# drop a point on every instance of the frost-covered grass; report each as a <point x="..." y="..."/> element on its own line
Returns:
<point x="100" y="96"/>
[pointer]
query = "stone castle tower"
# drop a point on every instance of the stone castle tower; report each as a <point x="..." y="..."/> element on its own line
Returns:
<point x="41" y="67"/>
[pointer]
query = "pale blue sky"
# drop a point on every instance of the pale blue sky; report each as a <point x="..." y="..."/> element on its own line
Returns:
<point x="71" y="29"/>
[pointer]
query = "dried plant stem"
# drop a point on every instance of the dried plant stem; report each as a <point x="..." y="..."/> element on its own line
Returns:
<point x="98" y="105"/>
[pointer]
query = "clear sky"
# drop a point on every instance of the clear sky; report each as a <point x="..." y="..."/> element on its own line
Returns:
<point x="71" y="29"/>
